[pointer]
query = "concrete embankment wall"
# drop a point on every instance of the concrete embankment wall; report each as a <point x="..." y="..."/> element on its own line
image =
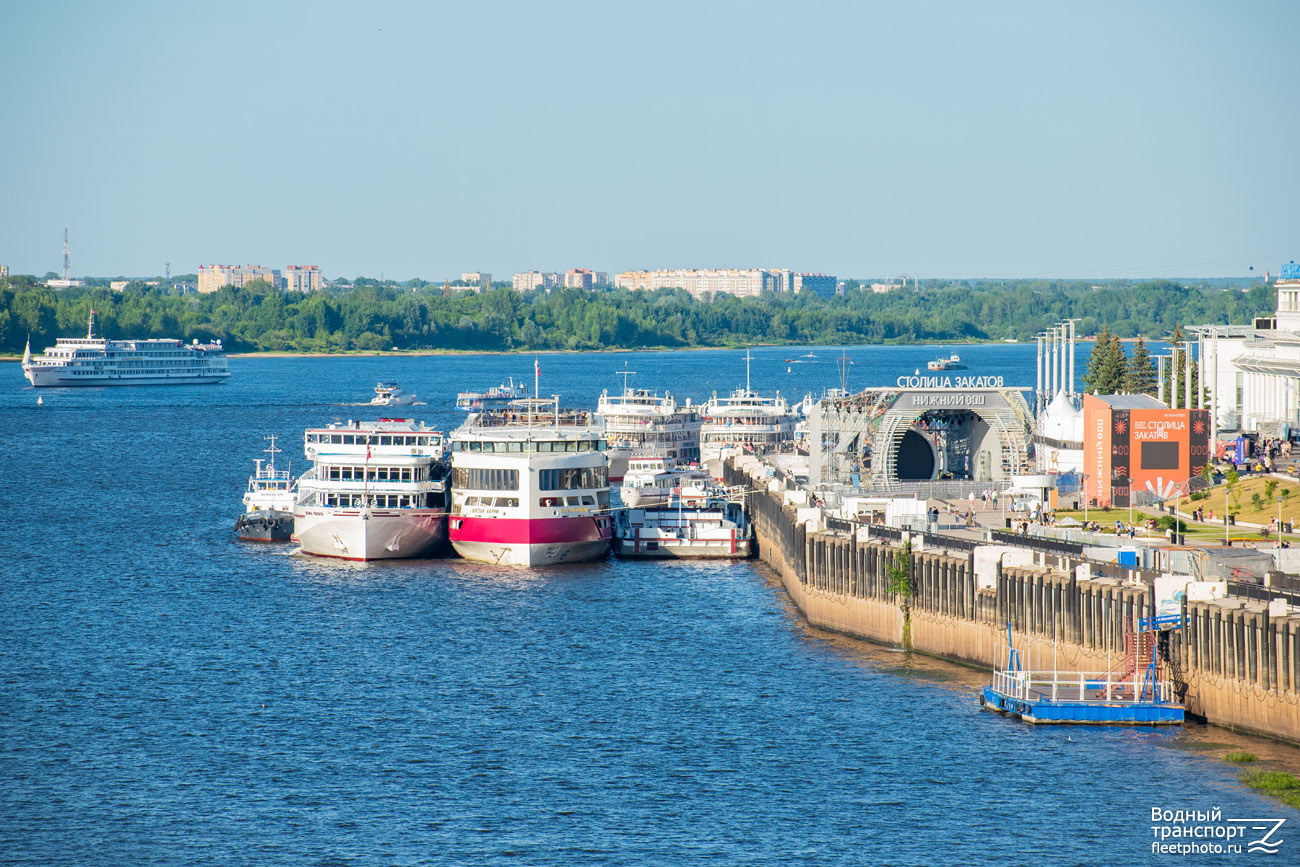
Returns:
<point x="1235" y="668"/>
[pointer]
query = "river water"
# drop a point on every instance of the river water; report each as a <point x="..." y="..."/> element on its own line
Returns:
<point x="173" y="696"/>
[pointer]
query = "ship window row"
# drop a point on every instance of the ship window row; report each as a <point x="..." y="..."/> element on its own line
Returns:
<point x="553" y="502"/>
<point x="475" y="479"/>
<point x="765" y="437"/>
<point x="341" y="439"/>
<point x="498" y="502"/>
<point x="377" y="501"/>
<point x="573" y="478"/>
<point x="517" y="446"/>
<point x="376" y="474"/>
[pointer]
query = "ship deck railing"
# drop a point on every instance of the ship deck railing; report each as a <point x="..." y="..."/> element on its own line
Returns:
<point x="1081" y="687"/>
<point x="491" y="418"/>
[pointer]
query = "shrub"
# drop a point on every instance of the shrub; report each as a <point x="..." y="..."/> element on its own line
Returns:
<point x="1240" y="757"/>
<point x="1282" y="786"/>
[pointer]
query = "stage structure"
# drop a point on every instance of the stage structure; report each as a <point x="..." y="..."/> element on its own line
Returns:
<point x="968" y="428"/>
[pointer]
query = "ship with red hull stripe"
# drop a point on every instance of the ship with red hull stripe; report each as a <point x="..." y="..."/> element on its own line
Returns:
<point x="530" y="486"/>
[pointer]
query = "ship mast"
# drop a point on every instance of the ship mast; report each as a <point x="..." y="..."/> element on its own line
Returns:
<point x="625" y="373"/>
<point x="272" y="451"/>
<point x="747" y="360"/>
<point x="90" y="332"/>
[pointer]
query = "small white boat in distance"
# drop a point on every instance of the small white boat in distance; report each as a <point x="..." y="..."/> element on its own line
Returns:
<point x="388" y="394"/>
<point x="952" y="362"/>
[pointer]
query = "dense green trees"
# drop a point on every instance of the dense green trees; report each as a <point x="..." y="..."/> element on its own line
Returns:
<point x="1140" y="372"/>
<point x="415" y="315"/>
<point x="1107" y="365"/>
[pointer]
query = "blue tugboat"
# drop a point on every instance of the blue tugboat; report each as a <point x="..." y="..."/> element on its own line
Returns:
<point x="1134" y="695"/>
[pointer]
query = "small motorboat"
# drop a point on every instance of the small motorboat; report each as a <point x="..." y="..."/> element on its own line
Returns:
<point x="952" y="362"/>
<point x="389" y="394"/>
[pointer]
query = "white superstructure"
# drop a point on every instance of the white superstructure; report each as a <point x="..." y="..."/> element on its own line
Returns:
<point x="653" y="481"/>
<point x="376" y="490"/>
<point x="92" y="360"/>
<point x="496" y="397"/>
<point x="530" y="486"/>
<point x="744" y="421"/>
<point x="645" y="423"/>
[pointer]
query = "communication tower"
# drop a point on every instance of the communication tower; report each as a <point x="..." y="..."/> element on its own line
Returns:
<point x="67" y="261"/>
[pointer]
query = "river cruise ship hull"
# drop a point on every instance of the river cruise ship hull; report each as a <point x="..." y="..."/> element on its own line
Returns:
<point x="267" y="525"/>
<point x="376" y="491"/>
<point x="530" y="542"/>
<point x="530" y="487"/>
<point x="371" y="534"/>
<point x="718" y="530"/>
<point x="95" y="361"/>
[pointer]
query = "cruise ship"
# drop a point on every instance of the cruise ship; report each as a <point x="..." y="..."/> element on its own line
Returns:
<point x="377" y="490"/>
<point x="744" y="421"/>
<point x="646" y="424"/>
<point x="92" y="360"/>
<point x="530" y="486"/>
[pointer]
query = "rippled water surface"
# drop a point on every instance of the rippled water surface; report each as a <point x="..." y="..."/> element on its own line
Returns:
<point x="173" y="696"/>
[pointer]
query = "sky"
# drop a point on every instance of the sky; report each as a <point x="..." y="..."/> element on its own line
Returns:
<point x="861" y="139"/>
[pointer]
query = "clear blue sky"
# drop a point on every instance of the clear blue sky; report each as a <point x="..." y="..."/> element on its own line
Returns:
<point x="426" y="139"/>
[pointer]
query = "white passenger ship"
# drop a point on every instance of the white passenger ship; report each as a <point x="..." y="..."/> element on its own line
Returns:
<point x="744" y="421"/>
<point x="530" y="486"/>
<point x="377" y="490"/>
<point x="92" y="360"/>
<point x="646" y="424"/>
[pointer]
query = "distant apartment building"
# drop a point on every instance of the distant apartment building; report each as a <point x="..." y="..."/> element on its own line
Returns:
<point x="302" y="278"/>
<point x="819" y="284"/>
<point x="582" y="278"/>
<point x="4" y="270"/>
<point x="882" y="288"/>
<point x="527" y="281"/>
<point x="729" y="281"/>
<point x="65" y="283"/>
<point x="481" y="279"/>
<point x="213" y="277"/>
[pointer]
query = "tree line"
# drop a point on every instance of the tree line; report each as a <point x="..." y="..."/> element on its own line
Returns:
<point x="1113" y="371"/>
<point x="380" y="316"/>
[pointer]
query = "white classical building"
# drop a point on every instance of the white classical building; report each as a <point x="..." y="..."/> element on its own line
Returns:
<point x="1251" y="373"/>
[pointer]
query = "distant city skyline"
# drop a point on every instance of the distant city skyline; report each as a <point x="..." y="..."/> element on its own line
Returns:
<point x="947" y="140"/>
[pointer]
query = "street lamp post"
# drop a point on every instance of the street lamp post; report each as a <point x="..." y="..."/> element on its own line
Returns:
<point x="1226" y="540"/>
<point x="1279" y="532"/>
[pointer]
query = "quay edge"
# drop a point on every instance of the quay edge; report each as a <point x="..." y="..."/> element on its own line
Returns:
<point x="1234" y="667"/>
